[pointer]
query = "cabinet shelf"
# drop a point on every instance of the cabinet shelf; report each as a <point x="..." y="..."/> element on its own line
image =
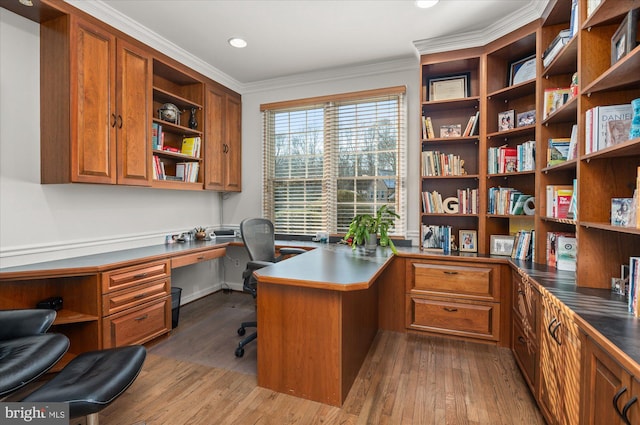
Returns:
<point x="559" y="220"/>
<point x="567" y="165"/>
<point x="164" y="96"/>
<point x="622" y="75"/>
<point x="514" y="132"/>
<point x="65" y="317"/>
<point x="465" y="176"/>
<point x="565" y="113"/>
<point x="518" y="90"/>
<point x="174" y="128"/>
<point x="607" y="11"/>
<point x="609" y="227"/>
<point x="566" y="62"/>
<point x="447" y="215"/>
<point x="466" y="102"/>
<point x="174" y="155"/>
<point x="625" y="149"/>
<point x="450" y="140"/>
<point x="176" y="184"/>
<point x="505" y="175"/>
<point x="509" y="216"/>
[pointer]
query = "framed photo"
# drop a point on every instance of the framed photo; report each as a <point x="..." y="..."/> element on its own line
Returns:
<point x="449" y="87"/>
<point x="506" y="120"/>
<point x="468" y="240"/>
<point x="526" y="118"/>
<point x="451" y="130"/>
<point x="522" y="70"/>
<point x="502" y="245"/>
<point x="624" y="39"/>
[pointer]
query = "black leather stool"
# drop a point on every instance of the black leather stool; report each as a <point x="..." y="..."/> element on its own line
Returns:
<point x="91" y="381"/>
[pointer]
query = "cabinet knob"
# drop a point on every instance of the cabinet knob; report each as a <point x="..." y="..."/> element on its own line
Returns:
<point x="140" y="276"/>
<point x="450" y="309"/>
<point x="137" y="297"/>
<point x="450" y="272"/>
<point x="138" y="319"/>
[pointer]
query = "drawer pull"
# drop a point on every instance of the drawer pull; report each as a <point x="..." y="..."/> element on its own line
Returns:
<point x="521" y="292"/>
<point x="450" y="309"/>
<point x="616" y="397"/>
<point x="450" y="272"/>
<point x="140" y="276"/>
<point x="626" y="408"/>
<point x="201" y="257"/>
<point x="554" y="320"/>
<point x="137" y="297"/>
<point x="138" y="319"/>
<point x="521" y="340"/>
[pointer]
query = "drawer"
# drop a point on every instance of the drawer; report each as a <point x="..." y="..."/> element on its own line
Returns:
<point x="524" y="350"/>
<point x="127" y="277"/>
<point x="128" y="298"/>
<point x="138" y="325"/>
<point x="476" y="282"/>
<point x="525" y="304"/>
<point x="185" y="260"/>
<point x="475" y="319"/>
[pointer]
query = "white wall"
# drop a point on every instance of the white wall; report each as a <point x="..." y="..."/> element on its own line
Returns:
<point x="45" y="222"/>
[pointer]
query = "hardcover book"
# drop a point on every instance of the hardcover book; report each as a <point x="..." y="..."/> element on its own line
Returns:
<point x="567" y="251"/>
<point x="607" y="126"/>
<point x="621" y="211"/>
<point x="558" y="151"/>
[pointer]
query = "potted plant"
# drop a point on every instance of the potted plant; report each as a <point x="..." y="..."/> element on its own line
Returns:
<point x="364" y="229"/>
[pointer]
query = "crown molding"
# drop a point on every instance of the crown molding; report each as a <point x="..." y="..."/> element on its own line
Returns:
<point x="333" y="74"/>
<point x="532" y="11"/>
<point x="116" y="19"/>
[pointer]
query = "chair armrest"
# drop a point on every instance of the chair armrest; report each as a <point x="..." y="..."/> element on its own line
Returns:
<point x="255" y="265"/>
<point x="27" y="322"/>
<point x="292" y="251"/>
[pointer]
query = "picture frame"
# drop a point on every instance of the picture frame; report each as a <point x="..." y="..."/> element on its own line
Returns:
<point x="526" y="118"/>
<point x="506" y="120"/>
<point x="468" y="240"/>
<point x="522" y="70"/>
<point x="451" y="130"/>
<point x="449" y="87"/>
<point x="624" y="40"/>
<point x="502" y="245"/>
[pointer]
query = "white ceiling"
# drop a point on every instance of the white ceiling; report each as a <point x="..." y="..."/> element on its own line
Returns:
<point x="288" y="37"/>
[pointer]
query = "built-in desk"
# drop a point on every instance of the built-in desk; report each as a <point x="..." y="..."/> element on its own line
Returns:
<point x="318" y="315"/>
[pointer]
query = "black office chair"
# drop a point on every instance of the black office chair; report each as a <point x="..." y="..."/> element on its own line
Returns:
<point x="259" y="239"/>
<point x="89" y="383"/>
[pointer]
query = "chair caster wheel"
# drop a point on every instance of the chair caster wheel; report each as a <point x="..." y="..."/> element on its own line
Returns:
<point x="239" y="352"/>
<point x="241" y="331"/>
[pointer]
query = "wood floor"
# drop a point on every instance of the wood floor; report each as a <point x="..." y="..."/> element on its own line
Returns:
<point x="192" y="377"/>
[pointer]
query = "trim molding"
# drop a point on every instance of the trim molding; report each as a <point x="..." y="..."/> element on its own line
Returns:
<point x="506" y="25"/>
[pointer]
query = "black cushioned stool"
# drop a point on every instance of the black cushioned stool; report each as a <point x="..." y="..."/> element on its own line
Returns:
<point x="91" y="381"/>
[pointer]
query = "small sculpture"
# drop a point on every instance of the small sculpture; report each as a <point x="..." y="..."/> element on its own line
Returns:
<point x="193" y="123"/>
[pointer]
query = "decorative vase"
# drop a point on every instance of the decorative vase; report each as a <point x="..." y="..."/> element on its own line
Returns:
<point x="193" y="123"/>
<point x="201" y="236"/>
<point x="371" y="243"/>
<point x="634" y="132"/>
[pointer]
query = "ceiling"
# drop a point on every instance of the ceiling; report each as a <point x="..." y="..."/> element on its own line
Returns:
<point x="287" y="37"/>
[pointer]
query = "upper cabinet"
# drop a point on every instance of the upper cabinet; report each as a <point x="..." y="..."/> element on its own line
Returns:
<point x="95" y="109"/>
<point x="114" y="111"/>
<point x="223" y="134"/>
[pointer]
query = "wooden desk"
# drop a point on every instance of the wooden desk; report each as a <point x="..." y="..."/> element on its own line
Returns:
<point x="318" y="315"/>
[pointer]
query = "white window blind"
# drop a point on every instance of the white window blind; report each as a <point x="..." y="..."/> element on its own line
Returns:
<point x="328" y="159"/>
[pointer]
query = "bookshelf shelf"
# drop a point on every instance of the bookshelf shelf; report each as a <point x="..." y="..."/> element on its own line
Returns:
<point x="621" y="75"/>
<point x="565" y="62"/>
<point x="610" y="228"/>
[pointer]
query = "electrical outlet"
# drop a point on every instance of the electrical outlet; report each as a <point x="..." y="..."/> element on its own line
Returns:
<point x="237" y="262"/>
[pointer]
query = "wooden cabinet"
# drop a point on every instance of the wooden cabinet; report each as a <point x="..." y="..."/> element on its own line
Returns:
<point x="95" y="91"/>
<point x="560" y="348"/>
<point x="453" y="298"/>
<point x="437" y="185"/>
<point x="223" y="134"/>
<point x="610" y="392"/>
<point x="136" y="303"/>
<point x="524" y="337"/>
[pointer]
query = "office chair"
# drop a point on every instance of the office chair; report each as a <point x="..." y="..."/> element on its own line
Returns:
<point x="259" y="240"/>
<point x="88" y="383"/>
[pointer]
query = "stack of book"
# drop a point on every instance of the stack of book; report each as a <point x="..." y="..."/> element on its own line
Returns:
<point x="552" y="247"/>
<point x="436" y="238"/>
<point x="559" y="200"/>
<point x="607" y="126"/>
<point x="427" y="128"/>
<point x="523" y="245"/>
<point x="157" y="136"/>
<point x="554" y="99"/>
<point x="187" y="171"/>
<point x="435" y="163"/>
<point x="506" y="201"/>
<point x="556" y="45"/>
<point x="191" y="146"/>
<point x="508" y="159"/>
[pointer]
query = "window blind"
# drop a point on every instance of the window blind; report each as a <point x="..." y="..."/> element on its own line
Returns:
<point x="328" y="159"/>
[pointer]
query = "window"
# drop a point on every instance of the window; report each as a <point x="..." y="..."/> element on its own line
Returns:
<point x="328" y="159"/>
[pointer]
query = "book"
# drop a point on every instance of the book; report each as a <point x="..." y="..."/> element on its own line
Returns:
<point x="562" y="202"/>
<point x="552" y="244"/>
<point x="552" y="192"/>
<point x="573" y="205"/>
<point x="566" y="254"/>
<point x="430" y="131"/>
<point x="156" y="131"/>
<point x="573" y="143"/>
<point x="191" y="146"/>
<point x="558" y="151"/>
<point x="475" y="129"/>
<point x="634" y="275"/>
<point x="556" y="46"/>
<point x="573" y="26"/>
<point x="621" y="211"/>
<point x="553" y="99"/>
<point x="467" y="130"/>
<point x="607" y="126"/>
<point x="518" y="206"/>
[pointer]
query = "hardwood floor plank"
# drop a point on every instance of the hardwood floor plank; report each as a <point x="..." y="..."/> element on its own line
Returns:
<point x="192" y="377"/>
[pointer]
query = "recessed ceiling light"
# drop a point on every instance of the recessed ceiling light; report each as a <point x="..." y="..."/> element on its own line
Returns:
<point x="26" y="2"/>
<point x="425" y="4"/>
<point x="237" y="42"/>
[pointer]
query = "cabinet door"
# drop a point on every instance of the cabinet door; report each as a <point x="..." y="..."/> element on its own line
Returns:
<point x="233" y="148"/>
<point x="133" y="120"/>
<point x="550" y="364"/>
<point x="93" y="118"/>
<point x="214" y="137"/>
<point x="605" y="383"/>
